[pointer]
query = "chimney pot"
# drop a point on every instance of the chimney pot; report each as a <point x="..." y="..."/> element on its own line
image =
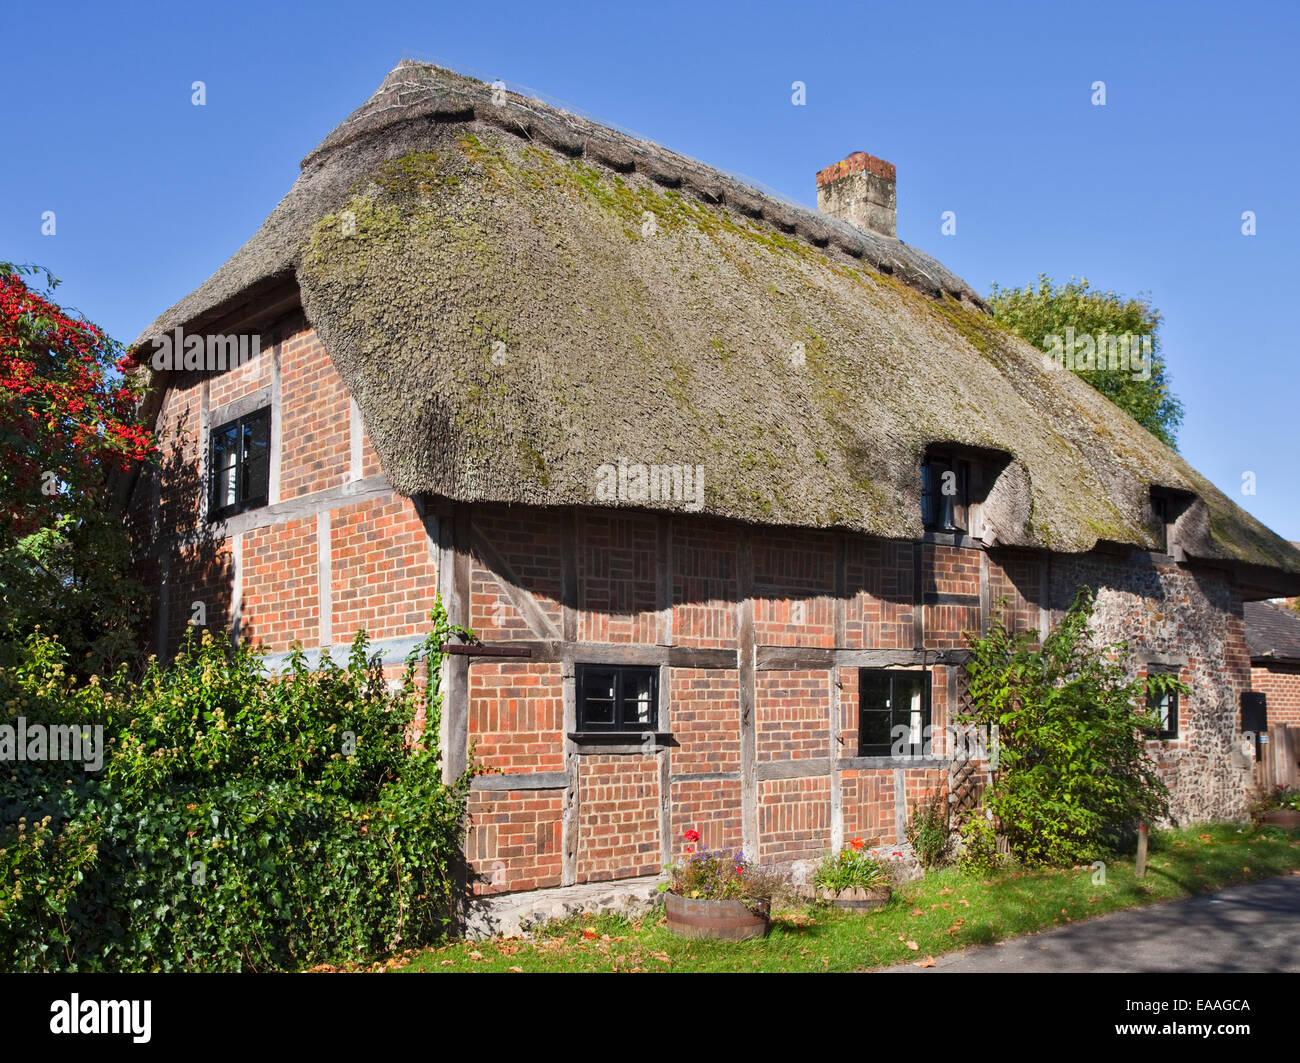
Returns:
<point x="860" y="189"/>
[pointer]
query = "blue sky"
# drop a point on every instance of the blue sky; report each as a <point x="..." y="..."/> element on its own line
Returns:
<point x="985" y="110"/>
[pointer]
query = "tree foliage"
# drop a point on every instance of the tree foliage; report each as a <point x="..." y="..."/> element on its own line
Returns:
<point x="67" y="422"/>
<point x="1045" y="309"/>
<point x="1073" y="773"/>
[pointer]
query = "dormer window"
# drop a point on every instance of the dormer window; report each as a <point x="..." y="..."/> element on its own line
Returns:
<point x="945" y="493"/>
<point x="1167" y="505"/>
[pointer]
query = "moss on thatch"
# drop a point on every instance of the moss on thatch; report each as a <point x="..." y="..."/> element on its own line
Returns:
<point x="522" y="297"/>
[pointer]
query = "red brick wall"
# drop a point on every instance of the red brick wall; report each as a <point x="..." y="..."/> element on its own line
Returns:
<point x="704" y="584"/>
<point x="867" y="798"/>
<point x="242" y="380"/>
<point x="794" y="581"/>
<point x="281" y="602"/>
<point x="793" y="714"/>
<point x="1280" y="684"/>
<point x="705" y="721"/>
<point x="515" y="839"/>
<point x="880" y="610"/>
<point x="618" y="799"/>
<point x="315" y="425"/>
<point x="530" y="542"/>
<point x="382" y="576"/>
<point x="1017" y="577"/>
<point x="710" y="806"/>
<point x="794" y="818"/>
<point x="616" y="579"/>
<point x="516" y="716"/>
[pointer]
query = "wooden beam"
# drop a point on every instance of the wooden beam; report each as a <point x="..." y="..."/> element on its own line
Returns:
<point x="454" y="580"/>
<point x="801" y="768"/>
<point x="839" y="605"/>
<point x="918" y="597"/>
<point x="569" y="574"/>
<point x="277" y="427"/>
<point x="324" y="580"/>
<point x="573" y="779"/>
<point x="664" y="578"/>
<point x="746" y="665"/>
<point x="484" y="649"/>
<point x="300" y="508"/>
<point x="534" y="780"/>
<point x="794" y="658"/>
<point x="986" y="593"/>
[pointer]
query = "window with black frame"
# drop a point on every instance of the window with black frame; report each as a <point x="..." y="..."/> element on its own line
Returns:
<point x="893" y="713"/>
<point x="617" y="698"/>
<point x="1163" y="705"/>
<point x="945" y="487"/>
<point x="240" y="464"/>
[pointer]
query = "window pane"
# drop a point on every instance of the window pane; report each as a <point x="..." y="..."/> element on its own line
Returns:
<point x="873" y="733"/>
<point x="597" y="696"/>
<point x="637" y="701"/>
<point x="874" y="692"/>
<point x="909" y="706"/>
<point x="256" y="457"/>
<point x="257" y="475"/>
<point x="224" y="453"/>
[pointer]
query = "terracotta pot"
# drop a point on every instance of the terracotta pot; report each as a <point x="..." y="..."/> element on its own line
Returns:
<point x="1283" y="817"/>
<point x="856" y="899"/>
<point x="692" y="917"/>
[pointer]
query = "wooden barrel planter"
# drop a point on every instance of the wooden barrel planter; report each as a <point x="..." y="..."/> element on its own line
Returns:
<point x="1283" y="817"/>
<point x="856" y="899"/>
<point x="692" y="917"/>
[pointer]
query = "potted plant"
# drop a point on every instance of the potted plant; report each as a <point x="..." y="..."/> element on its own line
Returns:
<point x="717" y="893"/>
<point x="853" y="878"/>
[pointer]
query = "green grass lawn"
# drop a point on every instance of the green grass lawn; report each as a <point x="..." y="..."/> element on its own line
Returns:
<point x="946" y="910"/>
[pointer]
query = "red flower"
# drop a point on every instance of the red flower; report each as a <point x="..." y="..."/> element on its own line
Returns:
<point x="690" y="848"/>
<point x="857" y="843"/>
<point x="692" y="835"/>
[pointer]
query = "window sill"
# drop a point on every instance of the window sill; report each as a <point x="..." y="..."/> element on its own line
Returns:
<point x="600" y="742"/>
<point x="869" y="763"/>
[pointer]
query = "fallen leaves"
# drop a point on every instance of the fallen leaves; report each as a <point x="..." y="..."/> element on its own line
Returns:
<point x="913" y="946"/>
<point x="927" y="962"/>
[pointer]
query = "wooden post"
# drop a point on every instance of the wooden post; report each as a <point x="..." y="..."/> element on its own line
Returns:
<point x="1142" y="851"/>
<point x="1286" y="748"/>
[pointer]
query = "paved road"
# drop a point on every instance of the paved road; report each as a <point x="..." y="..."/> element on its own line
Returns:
<point x="1246" y="928"/>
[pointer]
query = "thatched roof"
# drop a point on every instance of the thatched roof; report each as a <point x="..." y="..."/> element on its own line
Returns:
<point x="516" y="296"/>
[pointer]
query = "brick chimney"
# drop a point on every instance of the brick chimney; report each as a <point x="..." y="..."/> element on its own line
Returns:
<point x="861" y="190"/>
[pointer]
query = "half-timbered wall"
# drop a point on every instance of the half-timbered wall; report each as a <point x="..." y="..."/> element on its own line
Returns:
<point x="758" y="635"/>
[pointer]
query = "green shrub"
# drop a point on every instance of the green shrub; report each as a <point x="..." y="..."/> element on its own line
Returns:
<point x="1073" y="774"/>
<point x="927" y="829"/>
<point x="240" y="822"/>
<point x="979" y="844"/>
